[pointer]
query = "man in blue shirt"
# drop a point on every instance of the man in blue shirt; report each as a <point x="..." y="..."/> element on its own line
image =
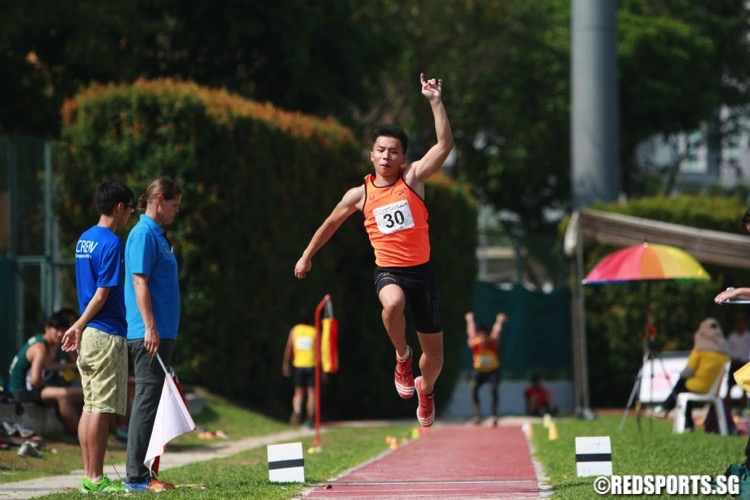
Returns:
<point x="99" y="334"/>
<point x="152" y="299"/>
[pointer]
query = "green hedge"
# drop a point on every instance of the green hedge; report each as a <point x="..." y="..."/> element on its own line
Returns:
<point x="258" y="181"/>
<point x="616" y="313"/>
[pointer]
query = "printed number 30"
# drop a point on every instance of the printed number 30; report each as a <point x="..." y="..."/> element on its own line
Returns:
<point x="389" y="219"/>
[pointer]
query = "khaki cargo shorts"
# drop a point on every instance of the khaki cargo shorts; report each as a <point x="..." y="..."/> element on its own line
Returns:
<point x="103" y="363"/>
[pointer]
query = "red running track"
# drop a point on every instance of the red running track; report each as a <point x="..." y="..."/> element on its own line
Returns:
<point x="449" y="461"/>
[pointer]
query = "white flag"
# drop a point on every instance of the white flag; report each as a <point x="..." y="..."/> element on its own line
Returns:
<point x="172" y="419"/>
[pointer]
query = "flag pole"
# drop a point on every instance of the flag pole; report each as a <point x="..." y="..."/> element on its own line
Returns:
<point x="154" y="466"/>
<point x="163" y="367"/>
<point x="318" y="335"/>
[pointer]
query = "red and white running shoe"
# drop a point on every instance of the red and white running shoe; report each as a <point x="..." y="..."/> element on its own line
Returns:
<point x="403" y="376"/>
<point x="426" y="408"/>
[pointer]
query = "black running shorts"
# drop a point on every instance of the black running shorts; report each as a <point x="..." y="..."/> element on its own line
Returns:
<point x="420" y="287"/>
<point x="304" y="377"/>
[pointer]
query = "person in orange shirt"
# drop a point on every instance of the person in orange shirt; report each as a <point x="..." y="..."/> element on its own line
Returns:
<point x="392" y="202"/>
<point x="300" y="353"/>
<point x="485" y="360"/>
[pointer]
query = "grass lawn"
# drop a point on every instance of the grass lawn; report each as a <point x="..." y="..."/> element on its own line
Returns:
<point x="655" y="450"/>
<point x="244" y="475"/>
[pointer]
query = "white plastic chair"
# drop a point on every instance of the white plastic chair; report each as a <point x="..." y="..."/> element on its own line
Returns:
<point x="711" y="397"/>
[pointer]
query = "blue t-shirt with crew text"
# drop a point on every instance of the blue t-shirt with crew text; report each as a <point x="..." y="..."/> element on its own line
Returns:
<point x="99" y="264"/>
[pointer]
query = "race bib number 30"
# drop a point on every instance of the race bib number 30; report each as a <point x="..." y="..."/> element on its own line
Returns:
<point x="394" y="217"/>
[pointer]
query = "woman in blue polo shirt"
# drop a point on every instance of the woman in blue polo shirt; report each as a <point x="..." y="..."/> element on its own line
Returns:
<point x="152" y="300"/>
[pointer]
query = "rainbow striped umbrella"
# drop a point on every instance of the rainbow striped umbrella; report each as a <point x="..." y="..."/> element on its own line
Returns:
<point x="646" y="262"/>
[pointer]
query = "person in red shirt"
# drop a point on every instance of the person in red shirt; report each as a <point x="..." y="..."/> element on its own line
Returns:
<point x="538" y="398"/>
<point x="392" y="202"/>
<point x="485" y="360"/>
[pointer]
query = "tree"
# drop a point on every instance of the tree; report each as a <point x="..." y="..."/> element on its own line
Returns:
<point x="679" y="62"/>
<point x="315" y="57"/>
<point x="49" y="50"/>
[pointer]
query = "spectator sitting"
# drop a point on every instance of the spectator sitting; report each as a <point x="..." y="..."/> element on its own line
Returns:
<point x="30" y="379"/>
<point x="538" y="398"/>
<point x="707" y="359"/>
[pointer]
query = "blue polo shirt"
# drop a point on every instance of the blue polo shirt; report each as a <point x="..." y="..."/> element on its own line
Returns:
<point x="99" y="254"/>
<point x="148" y="252"/>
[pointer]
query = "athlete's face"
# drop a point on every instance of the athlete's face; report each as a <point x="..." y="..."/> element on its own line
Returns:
<point x="387" y="156"/>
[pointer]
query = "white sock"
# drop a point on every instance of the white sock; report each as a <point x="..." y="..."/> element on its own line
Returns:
<point x="406" y="356"/>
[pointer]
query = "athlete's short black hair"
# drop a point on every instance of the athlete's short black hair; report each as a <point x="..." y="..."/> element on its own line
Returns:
<point x="390" y="130"/>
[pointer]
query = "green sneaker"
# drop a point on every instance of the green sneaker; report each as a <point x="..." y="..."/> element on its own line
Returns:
<point x="735" y="470"/>
<point x="104" y="485"/>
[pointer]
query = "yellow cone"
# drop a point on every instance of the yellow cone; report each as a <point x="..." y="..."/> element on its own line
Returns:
<point x="553" y="434"/>
<point x="530" y="430"/>
<point x="546" y="419"/>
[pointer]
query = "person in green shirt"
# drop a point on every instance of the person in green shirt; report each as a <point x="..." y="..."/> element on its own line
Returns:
<point x="29" y="379"/>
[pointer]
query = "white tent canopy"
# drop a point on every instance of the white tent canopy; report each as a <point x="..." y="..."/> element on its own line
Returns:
<point x="708" y="247"/>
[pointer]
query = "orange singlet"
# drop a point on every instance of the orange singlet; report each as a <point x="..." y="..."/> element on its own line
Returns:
<point x="396" y="223"/>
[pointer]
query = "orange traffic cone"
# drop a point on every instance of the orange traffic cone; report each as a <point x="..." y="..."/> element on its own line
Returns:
<point x="527" y="429"/>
